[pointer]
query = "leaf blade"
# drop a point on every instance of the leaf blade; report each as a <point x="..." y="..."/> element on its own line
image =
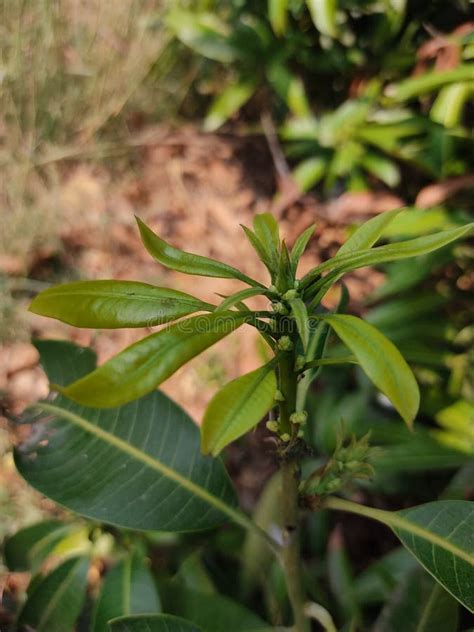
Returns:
<point x="114" y="304"/>
<point x="152" y="623"/>
<point x="380" y="360"/>
<point x="237" y="408"/>
<point x="140" y="368"/>
<point x="300" y="315"/>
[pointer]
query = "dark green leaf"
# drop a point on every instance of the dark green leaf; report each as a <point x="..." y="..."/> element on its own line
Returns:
<point x="150" y="623"/>
<point x="438" y="534"/>
<point x="147" y="363"/>
<point x="419" y="605"/>
<point x="184" y="261"/>
<point x="128" y="589"/>
<point x="29" y="547"/>
<point x="212" y="613"/>
<point x="237" y="408"/>
<point x="377" y="582"/>
<point x="381" y="361"/>
<point x="114" y="304"/>
<point x="64" y="362"/>
<point x="56" y="600"/>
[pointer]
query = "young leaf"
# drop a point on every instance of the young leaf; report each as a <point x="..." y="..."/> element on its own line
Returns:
<point x="309" y="172"/>
<point x="237" y="408"/>
<point x="323" y="14"/>
<point x="114" y="304"/>
<point x="147" y="363"/>
<point x="129" y="588"/>
<point x="137" y="467"/>
<point x="152" y="623"/>
<point x="347" y="261"/>
<point x="300" y="246"/>
<point x="367" y="234"/>
<point x="419" y="604"/>
<point x="438" y="534"/>
<point x="278" y="15"/>
<point x="229" y="101"/>
<point x="259" y="249"/>
<point x="236" y="298"/>
<point x="266" y="230"/>
<point x="56" y="600"/>
<point x="380" y="360"/>
<point x="186" y="262"/>
<point x="300" y="314"/>
<point x="428" y="82"/>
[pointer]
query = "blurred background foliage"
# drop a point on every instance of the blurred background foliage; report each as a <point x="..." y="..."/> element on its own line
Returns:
<point x="352" y="97"/>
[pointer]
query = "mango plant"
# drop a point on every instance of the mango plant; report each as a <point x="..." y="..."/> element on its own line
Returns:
<point x="113" y="449"/>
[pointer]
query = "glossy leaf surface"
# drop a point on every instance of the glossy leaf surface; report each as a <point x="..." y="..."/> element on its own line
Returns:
<point x="237" y="408"/>
<point x="150" y="623"/>
<point x="114" y="304"/>
<point x="56" y="600"/>
<point x="184" y="261"/>
<point x="147" y="363"/>
<point x="128" y="588"/>
<point x="366" y="235"/>
<point x="138" y="466"/>
<point x="300" y="246"/>
<point x="300" y="315"/>
<point x="381" y="361"/>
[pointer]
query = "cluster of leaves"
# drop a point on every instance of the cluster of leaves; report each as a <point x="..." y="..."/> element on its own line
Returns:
<point x="113" y="449"/>
<point x="336" y="75"/>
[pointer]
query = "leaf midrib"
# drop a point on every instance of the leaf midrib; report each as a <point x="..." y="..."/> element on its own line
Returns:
<point x="52" y="604"/>
<point x="132" y="297"/>
<point x="148" y="460"/>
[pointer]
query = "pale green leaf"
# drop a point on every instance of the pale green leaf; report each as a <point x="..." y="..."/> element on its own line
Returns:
<point x="309" y="172"/>
<point x="278" y="15"/>
<point x="114" y="304"/>
<point x="368" y="233"/>
<point x="428" y="82"/>
<point x="300" y="315"/>
<point x="237" y="408"/>
<point x="380" y="360"/>
<point x="300" y="246"/>
<point x="323" y="14"/>
<point x="227" y="103"/>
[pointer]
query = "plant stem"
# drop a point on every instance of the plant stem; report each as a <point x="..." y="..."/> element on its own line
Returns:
<point x="290" y="556"/>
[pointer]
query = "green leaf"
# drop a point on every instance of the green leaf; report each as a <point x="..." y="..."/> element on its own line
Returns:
<point x="376" y="583"/>
<point x="300" y="246"/>
<point x="300" y="315"/>
<point x="238" y="297"/>
<point x="137" y="467"/>
<point x="237" y="408"/>
<point x="438" y="534"/>
<point x="64" y="362"/>
<point x="309" y="172"/>
<point x="184" y="261"/>
<point x="56" y="600"/>
<point x="212" y="613"/>
<point x="114" y="304"/>
<point x="29" y="547"/>
<point x="128" y="588"/>
<point x="227" y="103"/>
<point x="448" y="107"/>
<point x="204" y="33"/>
<point x="266" y="230"/>
<point x="382" y="168"/>
<point x="259" y="249"/>
<point x="419" y="604"/>
<point x="278" y="15"/>
<point x="150" y="623"/>
<point x="346" y="261"/>
<point x="323" y="14"/>
<point x="147" y="363"/>
<point x="380" y="360"/>
<point x="367" y="234"/>
<point x="429" y="82"/>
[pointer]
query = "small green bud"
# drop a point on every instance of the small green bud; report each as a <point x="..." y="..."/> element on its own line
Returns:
<point x="272" y="426"/>
<point x="353" y="466"/>
<point x="300" y="362"/>
<point x="273" y="289"/>
<point x="296" y="284"/>
<point x="290" y="295"/>
<point x="299" y="418"/>
<point x="333" y="485"/>
<point x="279" y="308"/>
<point x="279" y="397"/>
<point x="285" y="344"/>
<point x="285" y="437"/>
<point x="300" y="434"/>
